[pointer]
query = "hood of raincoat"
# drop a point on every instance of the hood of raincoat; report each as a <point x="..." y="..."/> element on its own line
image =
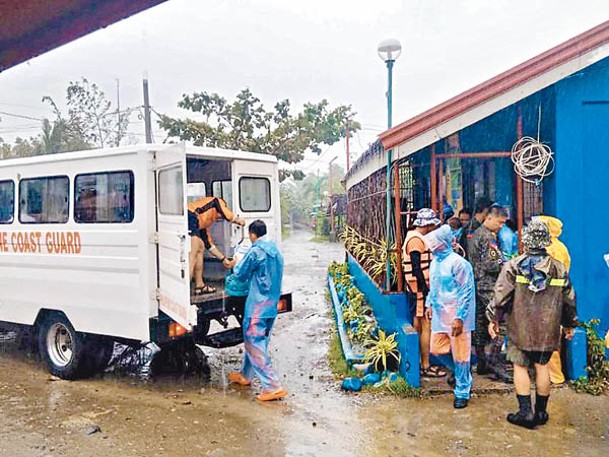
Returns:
<point x="440" y="242"/>
<point x="554" y="224"/>
<point x="267" y="246"/>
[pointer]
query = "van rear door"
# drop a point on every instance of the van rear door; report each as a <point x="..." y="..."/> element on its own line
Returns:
<point x="256" y="196"/>
<point x="172" y="236"/>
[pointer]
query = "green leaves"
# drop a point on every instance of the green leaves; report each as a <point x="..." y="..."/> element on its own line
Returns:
<point x="245" y="124"/>
<point x="381" y="349"/>
<point x="597" y="382"/>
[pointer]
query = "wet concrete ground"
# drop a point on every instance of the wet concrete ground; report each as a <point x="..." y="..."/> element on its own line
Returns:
<point x="178" y="417"/>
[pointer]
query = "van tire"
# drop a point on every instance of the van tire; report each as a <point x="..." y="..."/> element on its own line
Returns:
<point x="62" y="348"/>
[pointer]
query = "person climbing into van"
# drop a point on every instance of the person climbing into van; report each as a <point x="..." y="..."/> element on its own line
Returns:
<point x="451" y="306"/>
<point x="262" y="267"/>
<point x="202" y="214"/>
<point x="417" y="258"/>
<point x="558" y="251"/>
<point x="535" y="296"/>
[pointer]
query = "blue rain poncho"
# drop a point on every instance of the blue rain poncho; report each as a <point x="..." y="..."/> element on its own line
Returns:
<point x="451" y="284"/>
<point x="508" y="242"/>
<point x="233" y="286"/>
<point x="263" y="267"/>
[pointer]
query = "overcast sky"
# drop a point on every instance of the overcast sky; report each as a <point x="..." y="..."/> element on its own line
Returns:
<point x="304" y="50"/>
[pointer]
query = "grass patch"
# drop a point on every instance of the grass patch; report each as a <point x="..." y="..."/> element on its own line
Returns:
<point x="320" y="239"/>
<point x="337" y="361"/>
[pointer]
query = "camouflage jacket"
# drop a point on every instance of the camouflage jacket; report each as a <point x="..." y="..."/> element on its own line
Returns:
<point x="534" y="317"/>
<point x="486" y="257"/>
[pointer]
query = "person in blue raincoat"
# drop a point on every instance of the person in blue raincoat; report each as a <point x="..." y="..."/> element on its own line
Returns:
<point x="262" y="267"/>
<point x="451" y="306"/>
<point x="508" y="239"/>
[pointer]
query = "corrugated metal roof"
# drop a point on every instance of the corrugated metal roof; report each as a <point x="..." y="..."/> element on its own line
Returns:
<point x="502" y="83"/>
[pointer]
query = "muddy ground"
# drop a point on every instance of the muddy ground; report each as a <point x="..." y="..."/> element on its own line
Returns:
<point x="175" y="416"/>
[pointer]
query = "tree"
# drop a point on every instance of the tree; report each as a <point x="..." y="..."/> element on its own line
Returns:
<point x="245" y="124"/>
<point x="21" y="148"/>
<point x="300" y="198"/>
<point x="90" y="119"/>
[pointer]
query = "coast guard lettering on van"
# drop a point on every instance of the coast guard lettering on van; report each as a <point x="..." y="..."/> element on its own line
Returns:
<point x="41" y="242"/>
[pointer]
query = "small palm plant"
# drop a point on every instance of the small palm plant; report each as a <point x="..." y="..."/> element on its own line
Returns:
<point x="383" y="352"/>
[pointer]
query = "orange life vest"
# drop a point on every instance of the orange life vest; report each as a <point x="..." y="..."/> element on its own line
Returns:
<point x="426" y="256"/>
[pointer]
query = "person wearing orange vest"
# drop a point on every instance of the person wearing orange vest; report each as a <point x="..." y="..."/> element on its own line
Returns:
<point x="558" y="251"/>
<point x="417" y="258"/>
<point x="202" y="214"/>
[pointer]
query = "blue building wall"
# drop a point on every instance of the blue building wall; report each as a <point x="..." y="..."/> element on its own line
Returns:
<point x="582" y="184"/>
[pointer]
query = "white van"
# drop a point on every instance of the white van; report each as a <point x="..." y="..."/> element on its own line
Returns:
<point x="94" y="246"/>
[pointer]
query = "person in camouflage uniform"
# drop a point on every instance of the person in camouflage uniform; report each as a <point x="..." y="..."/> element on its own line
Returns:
<point x="481" y="210"/>
<point x="535" y="297"/>
<point x="487" y="259"/>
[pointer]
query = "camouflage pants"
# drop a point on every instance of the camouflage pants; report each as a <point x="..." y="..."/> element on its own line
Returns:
<point x="481" y="335"/>
<point x="482" y="339"/>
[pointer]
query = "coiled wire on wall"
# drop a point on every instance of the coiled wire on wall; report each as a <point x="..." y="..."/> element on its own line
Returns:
<point x="532" y="159"/>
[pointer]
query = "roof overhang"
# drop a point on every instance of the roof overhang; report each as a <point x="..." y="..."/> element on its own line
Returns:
<point x="29" y="28"/>
<point x="487" y="98"/>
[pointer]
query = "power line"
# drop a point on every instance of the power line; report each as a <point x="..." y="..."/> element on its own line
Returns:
<point x="21" y="116"/>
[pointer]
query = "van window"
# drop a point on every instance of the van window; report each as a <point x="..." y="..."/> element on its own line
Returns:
<point x="171" y="191"/>
<point x="255" y="194"/>
<point x="7" y="201"/>
<point x="195" y="191"/>
<point x="44" y="200"/>
<point x="224" y="190"/>
<point x="104" y="198"/>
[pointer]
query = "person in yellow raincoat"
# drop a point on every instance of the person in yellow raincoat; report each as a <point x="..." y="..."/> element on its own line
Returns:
<point x="558" y="251"/>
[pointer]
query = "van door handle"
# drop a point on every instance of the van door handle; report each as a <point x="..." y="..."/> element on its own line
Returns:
<point x="182" y="255"/>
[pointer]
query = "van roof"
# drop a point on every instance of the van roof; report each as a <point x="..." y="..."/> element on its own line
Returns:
<point x="133" y="149"/>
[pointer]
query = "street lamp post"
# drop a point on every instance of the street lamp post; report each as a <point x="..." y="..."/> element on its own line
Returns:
<point x="389" y="50"/>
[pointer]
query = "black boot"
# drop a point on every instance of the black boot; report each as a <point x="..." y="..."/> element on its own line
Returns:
<point x="541" y="403"/>
<point x="524" y="417"/>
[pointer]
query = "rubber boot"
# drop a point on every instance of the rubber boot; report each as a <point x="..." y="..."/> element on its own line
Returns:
<point x="541" y="403"/>
<point x="524" y="417"/>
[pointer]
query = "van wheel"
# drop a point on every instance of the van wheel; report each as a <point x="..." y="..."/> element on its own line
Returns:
<point x="62" y="348"/>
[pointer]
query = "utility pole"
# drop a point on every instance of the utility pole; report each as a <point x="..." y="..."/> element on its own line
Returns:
<point x="118" y="112"/>
<point x="147" y="119"/>
<point x="331" y="200"/>
<point x="347" y="138"/>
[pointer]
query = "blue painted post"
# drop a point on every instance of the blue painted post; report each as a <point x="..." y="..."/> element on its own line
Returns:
<point x="577" y="355"/>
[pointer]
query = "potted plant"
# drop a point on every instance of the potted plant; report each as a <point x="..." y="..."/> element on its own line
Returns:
<point x="383" y="352"/>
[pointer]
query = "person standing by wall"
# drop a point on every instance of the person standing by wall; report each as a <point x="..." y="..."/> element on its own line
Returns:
<point x="535" y="296"/>
<point x="508" y="239"/>
<point x="262" y="267"/>
<point x="481" y="210"/>
<point x="487" y="259"/>
<point x="558" y="251"/>
<point x="451" y="306"/>
<point x="417" y="258"/>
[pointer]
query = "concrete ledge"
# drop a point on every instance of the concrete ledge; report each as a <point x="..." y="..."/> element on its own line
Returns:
<point x="350" y="356"/>
<point x="393" y="316"/>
